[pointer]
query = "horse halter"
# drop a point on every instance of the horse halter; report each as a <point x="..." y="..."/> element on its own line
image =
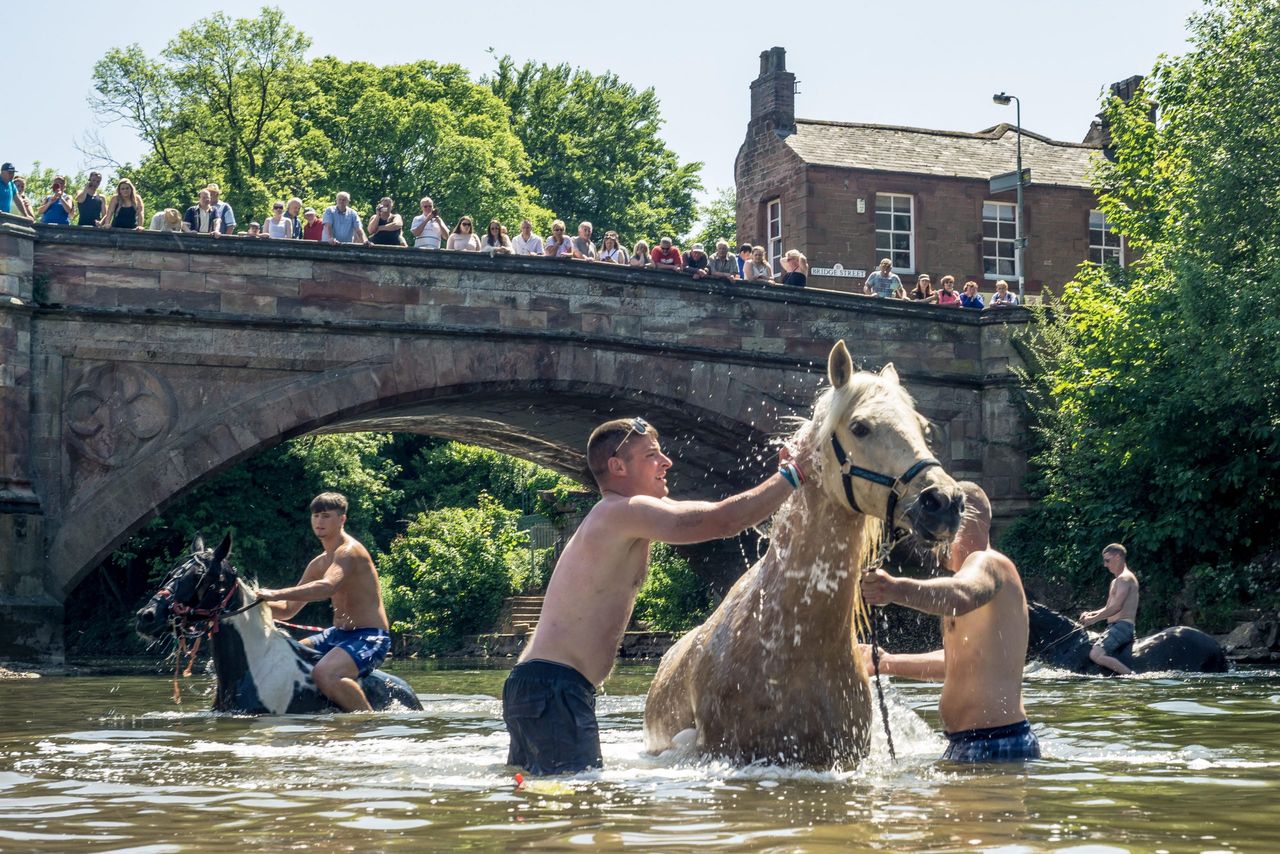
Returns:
<point x="896" y="485"/>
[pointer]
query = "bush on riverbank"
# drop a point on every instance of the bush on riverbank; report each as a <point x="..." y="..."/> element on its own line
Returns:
<point x="1156" y="394"/>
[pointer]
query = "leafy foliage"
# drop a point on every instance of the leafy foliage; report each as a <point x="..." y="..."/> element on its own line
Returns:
<point x="1157" y="397"/>
<point x="451" y="474"/>
<point x="594" y="150"/>
<point x="719" y="218"/>
<point x="447" y="575"/>
<point x="673" y="598"/>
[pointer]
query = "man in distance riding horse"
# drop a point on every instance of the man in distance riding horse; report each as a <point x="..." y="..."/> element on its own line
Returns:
<point x="984" y="641"/>
<point x="548" y="701"/>
<point x="1120" y="612"/>
<point x="359" y="639"/>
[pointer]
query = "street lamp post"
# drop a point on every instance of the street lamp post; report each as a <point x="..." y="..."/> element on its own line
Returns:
<point x="1019" y="242"/>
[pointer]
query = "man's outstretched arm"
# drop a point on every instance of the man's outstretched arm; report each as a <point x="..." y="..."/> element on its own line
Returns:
<point x="925" y="666"/>
<point x="970" y="588"/>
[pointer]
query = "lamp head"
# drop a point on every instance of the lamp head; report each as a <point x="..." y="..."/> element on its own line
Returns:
<point x="1002" y="99"/>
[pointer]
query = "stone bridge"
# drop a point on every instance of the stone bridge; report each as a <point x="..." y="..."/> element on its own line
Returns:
<point x="132" y="365"/>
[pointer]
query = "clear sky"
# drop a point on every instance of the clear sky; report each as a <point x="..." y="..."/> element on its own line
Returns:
<point x="924" y="63"/>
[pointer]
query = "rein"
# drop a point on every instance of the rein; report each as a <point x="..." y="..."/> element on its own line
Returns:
<point x="886" y="546"/>
<point x="194" y="625"/>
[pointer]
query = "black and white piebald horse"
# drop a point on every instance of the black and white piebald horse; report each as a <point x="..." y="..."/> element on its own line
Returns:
<point x="260" y="669"/>
<point x="1062" y="642"/>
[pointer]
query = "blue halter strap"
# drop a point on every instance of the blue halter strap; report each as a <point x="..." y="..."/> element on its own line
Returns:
<point x="848" y="471"/>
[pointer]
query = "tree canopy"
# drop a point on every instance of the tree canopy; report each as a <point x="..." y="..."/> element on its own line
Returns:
<point x="237" y="102"/>
<point x="1157" y="393"/>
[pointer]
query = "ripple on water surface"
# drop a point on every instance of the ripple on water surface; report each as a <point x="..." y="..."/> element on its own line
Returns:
<point x="1130" y="764"/>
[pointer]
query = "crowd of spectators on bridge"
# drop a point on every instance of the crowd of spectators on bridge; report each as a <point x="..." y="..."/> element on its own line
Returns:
<point x="340" y="224"/>
<point x="885" y="283"/>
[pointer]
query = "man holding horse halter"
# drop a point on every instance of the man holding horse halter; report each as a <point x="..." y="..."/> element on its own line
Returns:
<point x="359" y="639"/>
<point x="1120" y="612"/>
<point x="548" y="701"/>
<point x="984" y="641"/>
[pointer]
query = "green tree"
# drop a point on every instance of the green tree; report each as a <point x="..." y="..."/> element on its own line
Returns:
<point x="218" y="105"/>
<point x="451" y="474"/>
<point x="673" y="598"/>
<point x="1157" y="394"/>
<point x="594" y="150"/>
<point x="718" y="220"/>
<point x="447" y="575"/>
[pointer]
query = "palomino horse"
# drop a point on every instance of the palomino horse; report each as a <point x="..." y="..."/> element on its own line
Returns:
<point x="1062" y="642"/>
<point x="260" y="669"/>
<point x="774" y="674"/>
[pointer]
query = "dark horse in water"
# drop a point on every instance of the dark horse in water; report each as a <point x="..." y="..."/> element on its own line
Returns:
<point x="1062" y="642"/>
<point x="260" y="669"/>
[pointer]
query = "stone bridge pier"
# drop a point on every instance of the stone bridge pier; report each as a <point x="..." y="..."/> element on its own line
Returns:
<point x="133" y="365"/>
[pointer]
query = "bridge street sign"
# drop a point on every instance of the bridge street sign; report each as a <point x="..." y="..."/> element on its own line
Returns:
<point x="1008" y="180"/>
<point x="838" y="271"/>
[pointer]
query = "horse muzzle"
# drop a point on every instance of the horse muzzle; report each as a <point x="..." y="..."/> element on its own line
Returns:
<point x="152" y="620"/>
<point x="935" y="514"/>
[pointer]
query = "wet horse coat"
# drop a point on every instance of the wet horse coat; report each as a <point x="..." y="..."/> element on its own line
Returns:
<point x="260" y="669"/>
<point x="774" y="674"/>
<point x="1062" y="642"/>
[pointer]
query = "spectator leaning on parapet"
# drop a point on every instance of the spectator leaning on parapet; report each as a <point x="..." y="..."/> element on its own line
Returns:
<point x="168" y="220"/>
<point x="923" y="291"/>
<point x="386" y="228"/>
<point x="1003" y="297"/>
<point x="971" y="298"/>
<point x="55" y="208"/>
<point x="293" y="210"/>
<point x="496" y="241"/>
<point x="582" y="247"/>
<point x="744" y="257"/>
<point x="666" y="256"/>
<point x="125" y="210"/>
<point x="200" y="218"/>
<point x="558" y="244"/>
<point x="758" y="268"/>
<point x="253" y="230"/>
<point x="464" y="237"/>
<point x="277" y="226"/>
<point x="641" y="256"/>
<point x="226" y="216"/>
<point x="341" y="222"/>
<point x="947" y="291"/>
<point x="21" y="206"/>
<point x="610" y="252"/>
<point x="313" y="226"/>
<point x="526" y="242"/>
<point x="428" y="229"/>
<point x="722" y="265"/>
<point x="89" y="202"/>
<point x="8" y="190"/>
<point x="883" y="282"/>
<point x="795" y="269"/>
<point x="696" y="262"/>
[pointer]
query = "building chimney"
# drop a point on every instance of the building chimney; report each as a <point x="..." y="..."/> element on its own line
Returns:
<point x="773" y="95"/>
<point x="1100" y="129"/>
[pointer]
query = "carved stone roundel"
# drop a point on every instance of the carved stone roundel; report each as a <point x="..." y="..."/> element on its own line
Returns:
<point x="116" y="410"/>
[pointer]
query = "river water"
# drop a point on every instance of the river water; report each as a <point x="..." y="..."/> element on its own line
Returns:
<point x="109" y="763"/>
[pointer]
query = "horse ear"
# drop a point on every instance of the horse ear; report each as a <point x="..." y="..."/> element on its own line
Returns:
<point x="223" y="549"/>
<point x="197" y="545"/>
<point x="839" y="365"/>
<point x="889" y="373"/>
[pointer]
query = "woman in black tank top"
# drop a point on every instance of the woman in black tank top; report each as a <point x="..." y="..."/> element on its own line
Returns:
<point x="386" y="216"/>
<point x="125" y="209"/>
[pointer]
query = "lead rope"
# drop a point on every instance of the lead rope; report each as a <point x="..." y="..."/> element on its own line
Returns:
<point x="886" y="546"/>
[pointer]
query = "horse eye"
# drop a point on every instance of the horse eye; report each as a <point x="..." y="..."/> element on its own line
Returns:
<point x="859" y="429"/>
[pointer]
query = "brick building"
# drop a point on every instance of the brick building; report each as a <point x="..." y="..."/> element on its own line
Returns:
<point x="849" y="194"/>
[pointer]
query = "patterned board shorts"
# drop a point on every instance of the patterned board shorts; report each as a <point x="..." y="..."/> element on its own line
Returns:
<point x="1011" y="743"/>
<point x="367" y="647"/>
<point x="1118" y="635"/>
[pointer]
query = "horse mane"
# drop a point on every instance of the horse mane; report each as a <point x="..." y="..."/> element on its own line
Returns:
<point x="830" y="409"/>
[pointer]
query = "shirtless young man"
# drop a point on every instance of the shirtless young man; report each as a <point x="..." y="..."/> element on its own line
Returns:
<point x="984" y="641"/>
<point x="359" y="639"/>
<point x="548" y="701"/>
<point x="1120" y="612"/>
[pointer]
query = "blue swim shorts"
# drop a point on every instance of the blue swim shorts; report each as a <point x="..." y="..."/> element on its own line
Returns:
<point x="367" y="647"/>
<point x="1010" y="743"/>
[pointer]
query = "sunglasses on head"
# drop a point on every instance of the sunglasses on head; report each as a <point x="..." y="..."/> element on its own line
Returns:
<point x="638" y="427"/>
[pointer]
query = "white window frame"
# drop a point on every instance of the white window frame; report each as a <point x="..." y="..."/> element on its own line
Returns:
<point x="1013" y="208"/>
<point x="1102" y="249"/>
<point x="773" y="232"/>
<point x="895" y="199"/>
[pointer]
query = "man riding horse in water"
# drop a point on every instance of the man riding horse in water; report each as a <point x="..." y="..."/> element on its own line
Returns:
<point x="359" y="639"/>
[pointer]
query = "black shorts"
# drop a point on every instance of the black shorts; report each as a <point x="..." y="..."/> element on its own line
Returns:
<point x="1011" y="743"/>
<point x="550" y="712"/>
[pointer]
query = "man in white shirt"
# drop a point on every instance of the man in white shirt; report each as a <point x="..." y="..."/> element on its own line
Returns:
<point x="526" y="242"/>
<point x="428" y="229"/>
